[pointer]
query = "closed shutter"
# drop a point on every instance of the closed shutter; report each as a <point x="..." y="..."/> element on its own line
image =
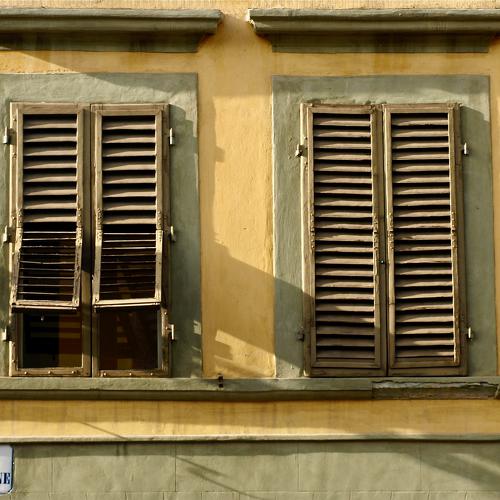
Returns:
<point x="47" y="162"/>
<point x="342" y="240"/>
<point x="129" y="159"/>
<point x="426" y="307"/>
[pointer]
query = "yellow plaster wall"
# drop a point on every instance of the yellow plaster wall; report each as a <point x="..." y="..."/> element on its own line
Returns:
<point x="235" y="69"/>
<point x="26" y="420"/>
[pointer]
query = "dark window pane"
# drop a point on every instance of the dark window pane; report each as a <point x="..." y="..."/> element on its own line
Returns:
<point x="128" y="339"/>
<point x="128" y="260"/>
<point x="51" y="340"/>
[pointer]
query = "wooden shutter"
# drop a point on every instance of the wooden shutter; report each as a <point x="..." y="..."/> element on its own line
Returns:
<point x="129" y="158"/>
<point x="47" y="161"/>
<point x="342" y="241"/>
<point x="426" y="307"/>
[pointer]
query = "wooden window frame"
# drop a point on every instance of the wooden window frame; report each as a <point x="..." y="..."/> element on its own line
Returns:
<point x="380" y="175"/>
<point x="86" y="172"/>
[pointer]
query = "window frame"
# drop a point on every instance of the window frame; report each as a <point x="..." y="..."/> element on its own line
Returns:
<point x="90" y="321"/>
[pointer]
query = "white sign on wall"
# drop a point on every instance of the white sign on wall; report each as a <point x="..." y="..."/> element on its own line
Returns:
<point x="6" y="475"/>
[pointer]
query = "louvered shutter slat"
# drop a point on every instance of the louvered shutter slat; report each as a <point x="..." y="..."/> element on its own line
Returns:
<point x="344" y="146"/>
<point x="49" y="234"/>
<point x="129" y="159"/>
<point x="406" y="167"/>
<point x="413" y="120"/>
<point x="126" y="152"/>
<point x="347" y="156"/>
<point x="421" y="132"/>
<point x="128" y="167"/>
<point x="326" y="132"/>
<point x="424" y="312"/>
<point x="56" y="122"/>
<point x="131" y="179"/>
<point x="117" y="123"/>
<point x="128" y="138"/>
<point x="353" y="122"/>
<point x="49" y="151"/>
<point x="42" y="165"/>
<point x="345" y="313"/>
<point x="55" y="136"/>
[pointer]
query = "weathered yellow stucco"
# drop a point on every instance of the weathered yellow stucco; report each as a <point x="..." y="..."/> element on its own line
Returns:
<point x="26" y="420"/>
<point x="235" y="69"/>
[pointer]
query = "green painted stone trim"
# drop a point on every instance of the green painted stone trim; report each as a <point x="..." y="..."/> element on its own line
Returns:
<point x="189" y="389"/>
<point x="255" y="438"/>
<point x="377" y="30"/>
<point x="178" y="90"/>
<point x="147" y="30"/>
<point x="473" y="93"/>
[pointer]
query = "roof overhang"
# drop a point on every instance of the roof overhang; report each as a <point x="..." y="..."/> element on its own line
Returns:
<point x="149" y="30"/>
<point x="377" y="30"/>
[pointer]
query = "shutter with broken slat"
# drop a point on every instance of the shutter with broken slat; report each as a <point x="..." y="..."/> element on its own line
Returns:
<point x="129" y="218"/>
<point x="48" y="168"/>
<point x="342" y="241"/>
<point x="425" y="306"/>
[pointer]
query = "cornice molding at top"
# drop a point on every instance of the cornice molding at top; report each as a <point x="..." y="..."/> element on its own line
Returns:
<point x="148" y="30"/>
<point x="377" y="30"/>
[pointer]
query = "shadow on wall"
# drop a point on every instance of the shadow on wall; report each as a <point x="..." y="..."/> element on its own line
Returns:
<point x="240" y="338"/>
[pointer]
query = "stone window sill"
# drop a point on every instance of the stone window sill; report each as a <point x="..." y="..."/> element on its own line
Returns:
<point x="189" y="389"/>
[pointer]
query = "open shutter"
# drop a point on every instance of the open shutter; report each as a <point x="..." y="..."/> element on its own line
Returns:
<point x="426" y="307"/>
<point x="129" y="156"/>
<point x="342" y="241"/>
<point x="47" y="159"/>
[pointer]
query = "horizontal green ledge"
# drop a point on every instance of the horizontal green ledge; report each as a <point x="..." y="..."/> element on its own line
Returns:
<point x="148" y="30"/>
<point x="249" y="389"/>
<point x="251" y="438"/>
<point x="377" y="30"/>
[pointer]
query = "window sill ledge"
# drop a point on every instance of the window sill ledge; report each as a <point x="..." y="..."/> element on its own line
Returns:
<point x="250" y="389"/>
<point x="377" y="30"/>
<point x="148" y="30"/>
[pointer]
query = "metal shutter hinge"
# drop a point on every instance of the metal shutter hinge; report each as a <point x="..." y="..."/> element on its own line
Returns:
<point x="470" y="334"/>
<point x="301" y="335"/>
<point x="299" y="151"/>
<point x="171" y="331"/>
<point x="4" y="334"/>
<point x="465" y="149"/>
<point x="497" y="392"/>
<point x="8" y="235"/>
<point x="171" y="233"/>
<point x="7" y="136"/>
<point x="171" y="137"/>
